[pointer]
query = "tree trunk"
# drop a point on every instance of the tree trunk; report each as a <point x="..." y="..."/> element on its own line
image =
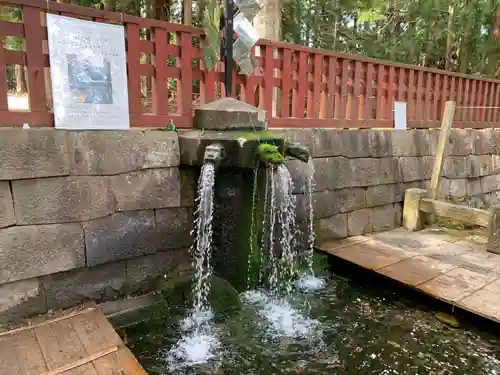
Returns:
<point x="467" y="39"/>
<point x="449" y="37"/>
<point x="495" y="38"/>
<point x="21" y="85"/>
<point x="187" y="12"/>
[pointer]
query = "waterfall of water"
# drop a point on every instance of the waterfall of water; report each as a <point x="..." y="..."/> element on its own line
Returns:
<point x="308" y="281"/>
<point x="312" y="235"/>
<point x="198" y="343"/>
<point x="286" y="220"/>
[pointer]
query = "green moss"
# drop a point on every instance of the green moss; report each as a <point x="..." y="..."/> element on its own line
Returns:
<point x="270" y="154"/>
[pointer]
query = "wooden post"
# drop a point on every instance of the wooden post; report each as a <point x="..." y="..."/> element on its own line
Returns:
<point x="444" y="135"/>
<point x="493" y="245"/>
<point x="413" y="217"/>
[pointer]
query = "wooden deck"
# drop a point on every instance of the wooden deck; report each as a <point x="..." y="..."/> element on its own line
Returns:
<point x="76" y="342"/>
<point x="449" y="267"/>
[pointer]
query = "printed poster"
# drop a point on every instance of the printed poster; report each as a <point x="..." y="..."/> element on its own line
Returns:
<point x="88" y="69"/>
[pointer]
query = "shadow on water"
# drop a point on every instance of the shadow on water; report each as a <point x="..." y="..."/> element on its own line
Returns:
<point x="358" y="324"/>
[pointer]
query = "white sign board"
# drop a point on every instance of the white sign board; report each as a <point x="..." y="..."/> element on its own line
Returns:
<point x="89" y="74"/>
<point x="400" y="115"/>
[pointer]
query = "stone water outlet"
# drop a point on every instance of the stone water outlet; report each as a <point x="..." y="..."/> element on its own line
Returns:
<point x="233" y="135"/>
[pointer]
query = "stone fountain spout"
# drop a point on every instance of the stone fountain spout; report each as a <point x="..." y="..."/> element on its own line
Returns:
<point x="297" y="151"/>
<point x="214" y="153"/>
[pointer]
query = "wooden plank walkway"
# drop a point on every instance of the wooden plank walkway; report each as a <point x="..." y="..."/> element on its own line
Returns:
<point x="447" y="267"/>
<point x="75" y="342"/>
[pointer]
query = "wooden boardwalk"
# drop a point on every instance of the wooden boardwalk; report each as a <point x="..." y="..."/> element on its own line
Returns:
<point x="76" y="342"/>
<point x="447" y="267"/>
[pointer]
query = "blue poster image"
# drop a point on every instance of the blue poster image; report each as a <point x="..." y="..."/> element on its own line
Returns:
<point x="89" y="79"/>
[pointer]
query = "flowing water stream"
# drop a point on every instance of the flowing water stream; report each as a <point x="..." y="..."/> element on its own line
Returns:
<point x="327" y="325"/>
<point x="199" y="342"/>
<point x="346" y="328"/>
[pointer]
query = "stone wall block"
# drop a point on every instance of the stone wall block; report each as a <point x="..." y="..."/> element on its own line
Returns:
<point x="359" y="222"/>
<point x="486" y="141"/>
<point x="187" y="176"/>
<point x="456" y="167"/>
<point x="61" y="199"/>
<point x="381" y="143"/>
<point x="103" y="283"/>
<point x="461" y="142"/>
<point x="33" y="153"/>
<point x="383" y="218"/>
<point x="480" y="165"/>
<point x="328" y="203"/>
<point x="411" y="143"/>
<point x="474" y="187"/>
<point x="173" y="227"/>
<point x="31" y="251"/>
<point x="21" y="299"/>
<point x="365" y="172"/>
<point x="147" y="189"/>
<point x="7" y="216"/>
<point x="490" y="183"/>
<point x="452" y="187"/>
<point x="416" y="168"/>
<point x="120" y="236"/>
<point x="355" y="143"/>
<point x="380" y="195"/>
<point x="331" y="228"/>
<point x="149" y="272"/>
<point x="326" y="143"/>
<point x="390" y="171"/>
<point x="114" y="152"/>
<point x="331" y="173"/>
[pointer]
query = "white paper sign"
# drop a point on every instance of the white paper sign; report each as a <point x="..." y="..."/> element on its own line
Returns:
<point x="400" y="115"/>
<point x="89" y="74"/>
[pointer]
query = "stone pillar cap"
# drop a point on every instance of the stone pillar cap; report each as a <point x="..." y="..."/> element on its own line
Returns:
<point x="229" y="114"/>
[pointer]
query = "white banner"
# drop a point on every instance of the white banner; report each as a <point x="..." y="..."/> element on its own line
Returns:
<point x="88" y="69"/>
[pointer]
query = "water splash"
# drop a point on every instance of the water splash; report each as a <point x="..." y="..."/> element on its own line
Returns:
<point x="282" y="318"/>
<point x="199" y="342"/>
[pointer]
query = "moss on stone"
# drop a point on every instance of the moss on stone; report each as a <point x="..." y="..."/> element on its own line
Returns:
<point x="270" y="154"/>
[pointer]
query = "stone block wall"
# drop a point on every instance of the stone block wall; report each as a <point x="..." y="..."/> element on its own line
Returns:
<point x="89" y="215"/>
<point x="361" y="175"/>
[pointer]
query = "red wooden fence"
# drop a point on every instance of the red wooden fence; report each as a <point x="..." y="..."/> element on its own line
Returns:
<point x="298" y="86"/>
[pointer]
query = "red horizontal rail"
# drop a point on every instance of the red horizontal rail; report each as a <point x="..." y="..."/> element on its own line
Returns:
<point x="297" y="85"/>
